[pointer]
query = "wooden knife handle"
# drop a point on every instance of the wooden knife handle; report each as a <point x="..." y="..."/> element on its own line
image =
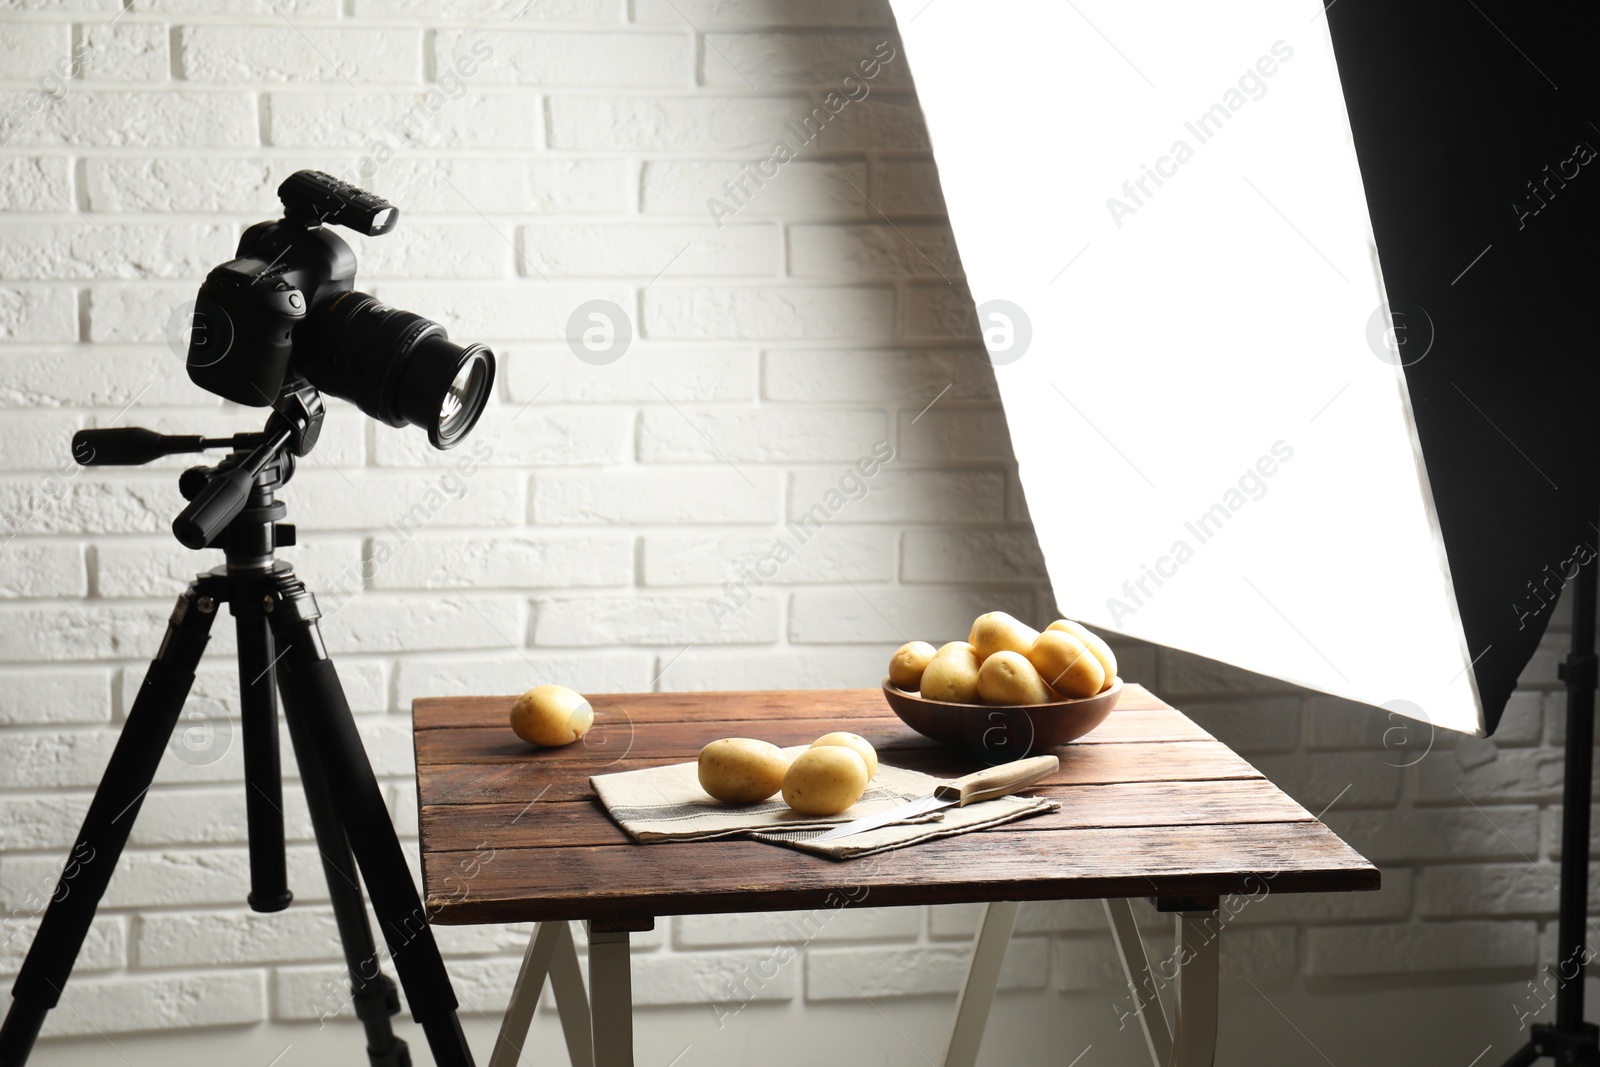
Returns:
<point x="998" y="781"/>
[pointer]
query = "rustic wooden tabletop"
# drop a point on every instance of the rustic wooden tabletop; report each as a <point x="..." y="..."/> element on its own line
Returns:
<point x="1151" y="806"/>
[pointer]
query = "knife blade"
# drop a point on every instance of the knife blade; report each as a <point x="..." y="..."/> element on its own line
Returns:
<point x="986" y="784"/>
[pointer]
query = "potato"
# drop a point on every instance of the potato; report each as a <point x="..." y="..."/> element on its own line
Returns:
<point x="825" y="780"/>
<point x="742" y="770"/>
<point x="1095" y="644"/>
<point x="855" y="743"/>
<point x="998" y="632"/>
<point x="965" y="646"/>
<point x="1008" y="678"/>
<point x="908" y="662"/>
<point x="551" y="716"/>
<point x="1066" y="664"/>
<point x="952" y="677"/>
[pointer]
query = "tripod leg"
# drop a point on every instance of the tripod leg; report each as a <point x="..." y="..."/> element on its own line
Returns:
<point x="372" y="993"/>
<point x="116" y="804"/>
<point x="315" y="699"/>
<point x="263" y="788"/>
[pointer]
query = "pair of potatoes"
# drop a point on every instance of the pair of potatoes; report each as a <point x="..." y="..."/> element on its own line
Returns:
<point x="825" y="779"/>
<point x="1006" y="662"/>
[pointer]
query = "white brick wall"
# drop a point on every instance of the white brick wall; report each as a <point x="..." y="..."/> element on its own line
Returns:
<point x="573" y="163"/>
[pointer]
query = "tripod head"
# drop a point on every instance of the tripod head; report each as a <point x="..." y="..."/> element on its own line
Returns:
<point x="218" y="494"/>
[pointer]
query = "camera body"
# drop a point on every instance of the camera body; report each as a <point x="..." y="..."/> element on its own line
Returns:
<point x="287" y="309"/>
<point x="249" y="309"/>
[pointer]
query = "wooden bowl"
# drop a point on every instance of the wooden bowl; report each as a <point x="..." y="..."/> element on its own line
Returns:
<point x="998" y="733"/>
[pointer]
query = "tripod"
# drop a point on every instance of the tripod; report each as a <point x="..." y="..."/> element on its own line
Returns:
<point x="1570" y="1041"/>
<point x="233" y="506"/>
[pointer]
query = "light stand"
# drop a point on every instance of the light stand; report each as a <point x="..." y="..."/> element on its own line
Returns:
<point x="233" y="506"/>
<point x="1570" y="1041"/>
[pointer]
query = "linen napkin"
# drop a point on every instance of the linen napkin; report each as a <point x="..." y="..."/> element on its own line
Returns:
<point x="667" y="804"/>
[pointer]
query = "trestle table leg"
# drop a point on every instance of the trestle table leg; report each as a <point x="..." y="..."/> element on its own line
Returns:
<point x="1194" y="1040"/>
<point x="610" y="997"/>
<point x="1141" y="980"/>
<point x="550" y="951"/>
<point x="983" y="978"/>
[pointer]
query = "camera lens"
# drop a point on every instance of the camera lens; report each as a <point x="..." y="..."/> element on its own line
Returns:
<point x="456" y="412"/>
<point x="397" y="366"/>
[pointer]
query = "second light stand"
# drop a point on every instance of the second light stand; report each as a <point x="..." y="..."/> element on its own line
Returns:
<point x="1570" y="1041"/>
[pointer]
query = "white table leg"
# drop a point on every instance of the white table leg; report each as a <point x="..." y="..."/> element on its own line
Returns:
<point x="610" y="997"/>
<point x="572" y="1001"/>
<point x="550" y="951"/>
<point x="983" y="978"/>
<point x="1136" y="965"/>
<point x="1194" y="1041"/>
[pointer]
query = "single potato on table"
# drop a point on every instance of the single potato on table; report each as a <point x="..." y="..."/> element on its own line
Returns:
<point x="1095" y="643"/>
<point x="551" y="716"/>
<point x="856" y="743"/>
<point x="825" y="780"/>
<point x="996" y="631"/>
<point x="1066" y="664"/>
<point x="1008" y="678"/>
<point x="951" y="676"/>
<point x="742" y="770"/>
<point x="908" y="663"/>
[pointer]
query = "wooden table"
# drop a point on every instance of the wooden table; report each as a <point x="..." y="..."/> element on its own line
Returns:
<point x="1151" y="806"/>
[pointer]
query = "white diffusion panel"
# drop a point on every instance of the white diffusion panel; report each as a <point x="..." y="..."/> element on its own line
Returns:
<point x="1162" y="224"/>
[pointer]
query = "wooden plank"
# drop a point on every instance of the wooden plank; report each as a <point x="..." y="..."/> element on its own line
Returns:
<point x="564" y="824"/>
<point x="546" y="824"/>
<point x="1006" y="863"/>
<point x="1144" y="724"/>
<point x="433" y="713"/>
<point x="611" y="737"/>
<point x="512" y="783"/>
<point x="549" y="776"/>
<point x="1189" y="761"/>
<point x="683" y="740"/>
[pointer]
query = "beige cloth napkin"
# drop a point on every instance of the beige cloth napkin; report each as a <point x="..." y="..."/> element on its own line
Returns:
<point x="667" y="804"/>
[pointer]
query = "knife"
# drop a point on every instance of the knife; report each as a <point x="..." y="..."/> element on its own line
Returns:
<point x="983" y="785"/>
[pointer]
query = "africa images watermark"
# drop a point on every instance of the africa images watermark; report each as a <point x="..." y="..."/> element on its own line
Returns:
<point x="49" y="890"/>
<point x="52" y="89"/>
<point x="1252" y="85"/>
<point x="742" y="188"/>
<point x="52" y="489"/>
<point x="333" y="995"/>
<point x="1551" y="581"/>
<point x="807" y="927"/>
<point x="852" y="485"/>
<point x="409" y="127"/>
<point x="451" y="487"/>
<point x="1544" y="189"/>
<point x="1570" y="969"/>
<point x="1145" y="990"/>
<point x="1252" y="485"/>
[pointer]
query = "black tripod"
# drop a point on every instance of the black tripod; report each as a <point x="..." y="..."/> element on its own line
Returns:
<point x="1570" y="1041"/>
<point x="232" y="506"/>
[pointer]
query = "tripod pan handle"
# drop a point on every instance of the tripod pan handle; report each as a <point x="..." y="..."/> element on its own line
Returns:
<point x="128" y="446"/>
<point x="218" y="504"/>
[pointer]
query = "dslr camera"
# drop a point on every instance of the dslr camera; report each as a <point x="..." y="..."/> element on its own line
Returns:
<point x="286" y="312"/>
